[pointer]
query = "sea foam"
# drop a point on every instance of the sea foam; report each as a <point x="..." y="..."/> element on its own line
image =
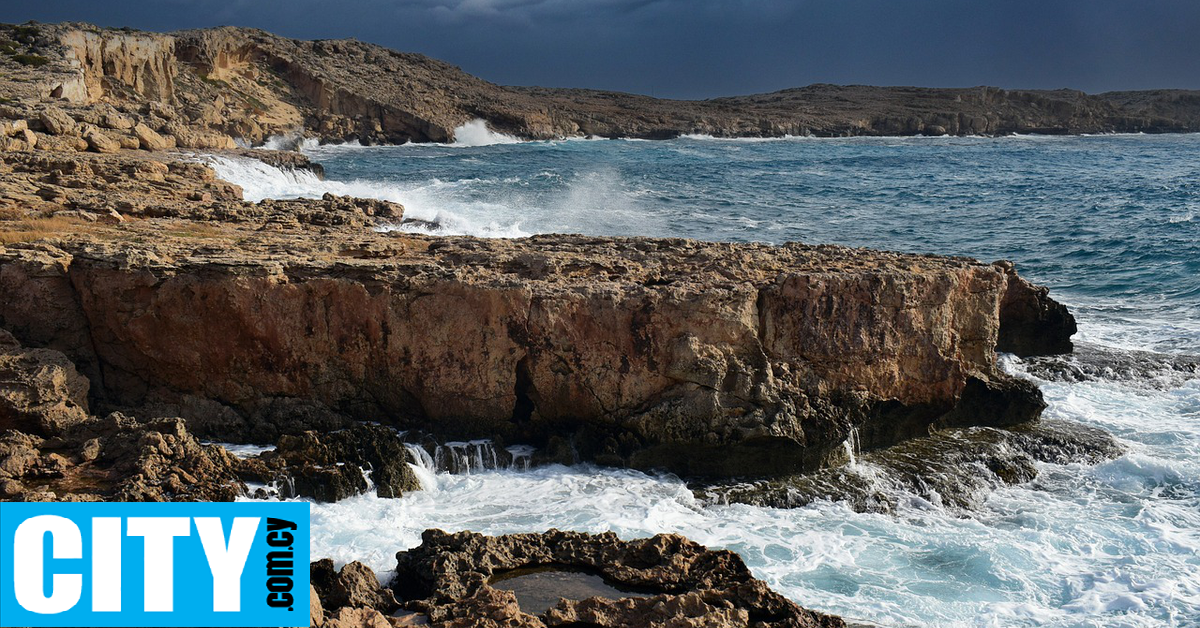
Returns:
<point x="477" y="133"/>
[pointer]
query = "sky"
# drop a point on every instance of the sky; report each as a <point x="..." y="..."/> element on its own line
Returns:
<point x="706" y="48"/>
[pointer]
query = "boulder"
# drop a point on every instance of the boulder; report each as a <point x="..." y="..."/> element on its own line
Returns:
<point x="116" y="121"/>
<point x="149" y="139"/>
<point x="316" y="613"/>
<point x="330" y="466"/>
<point x="57" y="122"/>
<point x="129" y="142"/>
<point x="40" y="390"/>
<point x="354" y="585"/>
<point x="191" y="137"/>
<point x="101" y="142"/>
<point x="10" y="128"/>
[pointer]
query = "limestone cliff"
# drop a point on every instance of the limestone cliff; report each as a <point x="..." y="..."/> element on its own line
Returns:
<point x="706" y="359"/>
<point x="205" y="88"/>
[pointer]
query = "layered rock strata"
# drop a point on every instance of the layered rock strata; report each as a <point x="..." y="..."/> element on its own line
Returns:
<point x="701" y="358"/>
<point x="204" y="89"/>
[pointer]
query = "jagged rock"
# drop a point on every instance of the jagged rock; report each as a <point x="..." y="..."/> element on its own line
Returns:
<point x="956" y="469"/>
<point x="100" y="141"/>
<point x="449" y="577"/>
<point x="61" y="143"/>
<point x="188" y="137"/>
<point x="1035" y="324"/>
<point x="160" y="461"/>
<point x="149" y="139"/>
<point x="332" y="466"/>
<point x="118" y="459"/>
<point x="354" y="585"/>
<point x="57" y="122"/>
<point x="13" y="144"/>
<point x="711" y="360"/>
<point x="10" y="128"/>
<point x="20" y="454"/>
<point x="40" y="390"/>
<point x="316" y="613"/>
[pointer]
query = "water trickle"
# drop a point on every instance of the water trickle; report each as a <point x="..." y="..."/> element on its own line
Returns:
<point x="467" y="457"/>
<point x="852" y="446"/>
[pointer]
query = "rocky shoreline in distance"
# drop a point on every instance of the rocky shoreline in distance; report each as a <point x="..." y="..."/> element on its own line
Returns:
<point x="203" y="88"/>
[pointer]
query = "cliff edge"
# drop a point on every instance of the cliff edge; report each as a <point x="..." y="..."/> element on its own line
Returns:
<point x="207" y="88"/>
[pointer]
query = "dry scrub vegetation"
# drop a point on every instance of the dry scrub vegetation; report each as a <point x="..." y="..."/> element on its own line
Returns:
<point x="16" y="226"/>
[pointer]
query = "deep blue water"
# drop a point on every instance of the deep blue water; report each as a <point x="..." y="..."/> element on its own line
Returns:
<point x="1111" y="224"/>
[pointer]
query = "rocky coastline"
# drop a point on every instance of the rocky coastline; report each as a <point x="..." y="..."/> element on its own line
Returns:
<point x="147" y="310"/>
<point x="204" y="89"/>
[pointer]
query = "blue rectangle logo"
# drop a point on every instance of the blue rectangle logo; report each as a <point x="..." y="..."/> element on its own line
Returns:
<point x="152" y="564"/>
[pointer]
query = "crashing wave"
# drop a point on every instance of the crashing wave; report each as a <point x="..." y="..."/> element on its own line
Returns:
<point x="477" y="133"/>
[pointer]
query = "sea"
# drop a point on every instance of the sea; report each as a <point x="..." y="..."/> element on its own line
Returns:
<point x="1110" y="223"/>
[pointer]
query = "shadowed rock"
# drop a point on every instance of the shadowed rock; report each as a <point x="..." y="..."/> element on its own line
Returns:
<point x="706" y="359"/>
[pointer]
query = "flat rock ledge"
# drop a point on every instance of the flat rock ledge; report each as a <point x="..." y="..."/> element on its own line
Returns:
<point x="705" y="359"/>
<point x="446" y="582"/>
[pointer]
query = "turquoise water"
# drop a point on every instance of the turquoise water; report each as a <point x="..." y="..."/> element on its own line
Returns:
<point x="1111" y="224"/>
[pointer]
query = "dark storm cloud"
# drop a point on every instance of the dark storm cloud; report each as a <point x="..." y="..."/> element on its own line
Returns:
<point x="700" y="48"/>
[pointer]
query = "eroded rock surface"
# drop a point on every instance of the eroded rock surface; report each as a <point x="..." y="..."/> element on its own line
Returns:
<point x="707" y="359"/>
<point x="201" y="89"/>
<point x="955" y="469"/>
<point x="447" y="577"/>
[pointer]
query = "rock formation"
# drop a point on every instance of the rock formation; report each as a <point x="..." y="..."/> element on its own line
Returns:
<point x="450" y="578"/>
<point x="706" y="359"/>
<point x="261" y="321"/>
<point x="203" y="89"/>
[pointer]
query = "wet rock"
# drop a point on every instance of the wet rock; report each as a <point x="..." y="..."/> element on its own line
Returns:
<point x="448" y="576"/>
<point x="1094" y="363"/>
<point x="955" y="469"/>
<point x="1031" y="323"/>
<point x="335" y="465"/>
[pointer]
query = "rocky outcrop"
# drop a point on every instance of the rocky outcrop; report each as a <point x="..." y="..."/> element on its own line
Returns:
<point x="201" y="89"/>
<point x="354" y="585"/>
<point x="40" y="390"/>
<point x="330" y="466"/>
<point x="709" y="360"/>
<point x="51" y="448"/>
<point x="953" y="469"/>
<point x="1033" y="323"/>
<point x="453" y="579"/>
